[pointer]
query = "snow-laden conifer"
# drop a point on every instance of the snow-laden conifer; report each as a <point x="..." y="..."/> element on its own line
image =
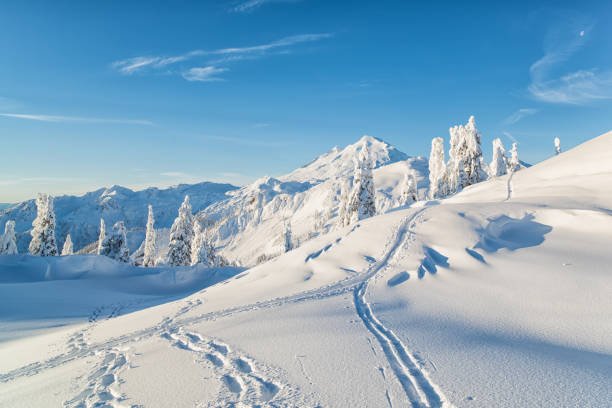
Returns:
<point x="148" y="259"/>
<point x="438" y="182"/>
<point x="102" y="235"/>
<point x="202" y="246"/>
<point x="67" y="249"/>
<point x="8" y="241"/>
<point x="345" y="191"/>
<point x="114" y="244"/>
<point x="361" y="202"/>
<point x="513" y="163"/>
<point x="499" y="164"/>
<point x="287" y="240"/>
<point x="43" y="234"/>
<point x="465" y="148"/>
<point x="409" y="192"/>
<point x="181" y="237"/>
<point x="557" y="146"/>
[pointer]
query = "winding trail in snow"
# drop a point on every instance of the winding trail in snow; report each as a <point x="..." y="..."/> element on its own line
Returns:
<point x="420" y="390"/>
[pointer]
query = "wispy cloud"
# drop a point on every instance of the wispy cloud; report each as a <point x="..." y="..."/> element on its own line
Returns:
<point x="176" y="174"/>
<point x="250" y="5"/>
<point x="204" y="74"/>
<point x="212" y="58"/>
<point x="518" y="115"/>
<point x="61" y="119"/>
<point x="577" y="87"/>
<point x="249" y="142"/>
<point x="260" y="125"/>
<point x="509" y="136"/>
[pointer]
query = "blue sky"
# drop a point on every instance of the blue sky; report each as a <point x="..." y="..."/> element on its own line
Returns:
<point x="157" y="93"/>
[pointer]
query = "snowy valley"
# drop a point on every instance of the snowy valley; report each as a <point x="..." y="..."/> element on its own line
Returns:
<point x="366" y="278"/>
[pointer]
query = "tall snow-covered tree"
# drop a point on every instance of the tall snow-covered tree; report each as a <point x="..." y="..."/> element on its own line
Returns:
<point x="181" y="237"/>
<point x="287" y="240"/>
<point x="361" y="203"/>
<point x="513" y="163"/>
<point x="43" y="234"/>
<point x="499" y="164"/>
<point x="102" y="235"/>
<point x="8" y="241"/>
<point x="409" y="192"/>
<point x="148" y="259"/>
<point x="114" y="244"/>
<point x="202" y="247"/>
<point x="465" y="147"/>
<point x="557" y="146"/>
<point x="438" y="182"/>
<point x="67" y="249"/>
<point x="345" y="191"/>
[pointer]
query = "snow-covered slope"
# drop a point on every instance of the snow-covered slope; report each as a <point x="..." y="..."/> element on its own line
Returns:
<point x="80" y="216"/>
<point x="250" y="224"/>
<point x="496" y="297"/>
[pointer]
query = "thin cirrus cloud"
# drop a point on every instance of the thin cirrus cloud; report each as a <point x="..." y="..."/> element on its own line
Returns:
<point x="204" y="74"/>
<point x="212" y="58"/>
<point x="518" y="115"/>
<point x="74" y="119"/>
<point x="250" y="5"/>
<point x="576" y="88"/>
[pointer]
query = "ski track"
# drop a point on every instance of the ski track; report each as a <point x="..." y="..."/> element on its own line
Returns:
<point x="419" y="389"/>
<point x="250" y="385"/>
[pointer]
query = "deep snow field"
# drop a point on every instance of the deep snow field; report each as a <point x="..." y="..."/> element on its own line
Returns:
<point x="499" y="296"/>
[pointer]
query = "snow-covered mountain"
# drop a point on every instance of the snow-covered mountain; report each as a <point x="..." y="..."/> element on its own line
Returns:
<point x="498" y="296"/>
<point x="250" y="224"/>
<point x="80" y="216"/>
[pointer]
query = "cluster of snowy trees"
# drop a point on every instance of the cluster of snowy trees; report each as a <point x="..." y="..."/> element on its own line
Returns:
<point x="190" y="243"/>
<point x="466" y="165"/>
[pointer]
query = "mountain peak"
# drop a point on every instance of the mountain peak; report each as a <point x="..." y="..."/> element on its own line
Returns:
<point x="340" y="162"/>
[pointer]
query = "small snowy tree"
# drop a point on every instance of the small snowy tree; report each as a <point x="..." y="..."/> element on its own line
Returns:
<point x="148" y="259"/>
<point x="361" y="203"/>
<point x="43" y="234"/>
<point x="513" y="163"/>
<point x="114" y="244"/>
<point x="181" y="237"/>
<point x="499" y="165"/>
<point x="8" y="241"/>
<point x="557" y="146"/>
<point x="345" y="191"/>
<point x="102" y="235"/>
<point x="409" y="192"/>
<point x="287" y="244"/>
<point x="67" y="249"/>
<point x="203" y="248"/>
<point x="438" y="183"/>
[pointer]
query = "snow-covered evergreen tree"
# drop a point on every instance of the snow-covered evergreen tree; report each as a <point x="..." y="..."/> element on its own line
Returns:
<point x="345" y="191"/>
<point x="557" y="146"/>
<point x="102" y="235"/>
<point x="148" y="259"/>
<point x="287" y="241"/>
<point x="513" y="163"/>
<point x="361" y="203"/>
<point x="114" y="244"/>
<point x="409" y="192"/>
<point x="8" y="241"/>
<point x="438" y="182"/>
<point x="43" y="234"/>
<point x="181" y="237"/>
<point x="499" y="164"/>
<point x="202" y="247"/>
<point x="67" y="249"/>
<point x="465" y="148"/>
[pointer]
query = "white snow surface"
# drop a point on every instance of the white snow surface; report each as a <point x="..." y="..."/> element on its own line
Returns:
<point x="498" y="296"/>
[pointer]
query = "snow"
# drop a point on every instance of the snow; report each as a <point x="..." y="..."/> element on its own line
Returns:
<point x="498" y="296"/>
